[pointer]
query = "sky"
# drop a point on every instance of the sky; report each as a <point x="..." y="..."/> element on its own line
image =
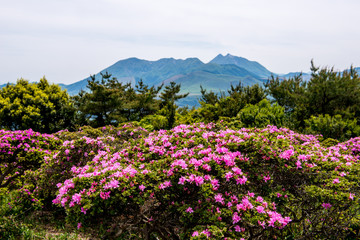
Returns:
<point x="68" y="40"/>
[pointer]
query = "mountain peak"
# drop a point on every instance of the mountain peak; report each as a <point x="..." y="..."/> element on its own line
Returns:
<point x="251" y="66"/>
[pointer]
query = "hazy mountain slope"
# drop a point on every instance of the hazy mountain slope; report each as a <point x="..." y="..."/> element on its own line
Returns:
<point x="212" y="82"/>
<point x="169" y="69"/>
<point x="251" y="66"/>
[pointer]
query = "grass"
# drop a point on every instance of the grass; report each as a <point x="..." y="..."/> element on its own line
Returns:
<point x="39" y="225"/>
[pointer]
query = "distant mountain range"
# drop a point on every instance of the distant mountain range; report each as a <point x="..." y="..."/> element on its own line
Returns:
<point x="217" y="75"/>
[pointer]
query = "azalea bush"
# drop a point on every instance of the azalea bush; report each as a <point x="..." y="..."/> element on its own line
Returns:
<point x="22" y="150"/>
<point x="205" y="181"/>
<point x="76" y="150"/>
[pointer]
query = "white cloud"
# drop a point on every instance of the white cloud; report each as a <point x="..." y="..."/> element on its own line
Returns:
<point x="68" y="40"/>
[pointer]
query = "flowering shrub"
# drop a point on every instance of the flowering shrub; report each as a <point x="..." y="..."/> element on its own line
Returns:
<point x="21" y="151"/>
<point x="77" y="149"/>
<point x="199" y="181"/>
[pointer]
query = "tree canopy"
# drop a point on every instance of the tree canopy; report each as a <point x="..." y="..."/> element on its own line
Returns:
<point x="41" y="106"/>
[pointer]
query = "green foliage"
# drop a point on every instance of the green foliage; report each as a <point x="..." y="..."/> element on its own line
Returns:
<point x="168" y="98"/>
<point x="327" y="92"/>
<point x="144" y="103"/>
<point x="41" y="106"/>
<point x="154" y="122"/>
<point x="332" y="127"/>
<point x="214" y="106"/>
<point x="331" y="92"/>
<point x="104" y="103"/>
<point x="288" y="93"/>
<point x="262" y="114"/>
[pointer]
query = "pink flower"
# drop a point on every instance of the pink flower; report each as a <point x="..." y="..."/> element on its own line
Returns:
<point x="351" y="196"/>
<point x="189" y="210"/>
<point x="261" y="223"/>
<point x="83" y="210"/>
<point x="112" y="184"/>
<point x="199" y="180"/>
<point x="76" y="198"/>
<point x="142" y="187"/>
<point x="196" y="233"/>
<point x="251" y="194"/>
<point x="215" y="183"/>
<point x="267" y="178"/>
<point x="79" y="225"/>
<point x="206" y="167"/>
<point x="105" y="195"/>
<point x="260" y="209"/>
<point x="287" y="154"/>
<point x="326" y="205"/>
<point x="206" y="232"/>
<point x="219" y="198"/>
<point x="336" y="180"/>
<point x="182" y="180"/>
<point x="164" y="185"/>
<point x="241" y="181"/>
<point x="236" y="218"/>
<point x="259" y="199"/>
<point x="228" y="175"/>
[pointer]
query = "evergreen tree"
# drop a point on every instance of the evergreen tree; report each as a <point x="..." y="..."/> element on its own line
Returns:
<point x="145" y="102"/>
<point x="327" y="92"/>
<point x="104" y="103"/>
<point x="168" y="98"/>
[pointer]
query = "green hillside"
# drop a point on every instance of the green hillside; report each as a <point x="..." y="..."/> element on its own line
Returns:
<point x="251" y="66"/>
<point x="190" y="73"/>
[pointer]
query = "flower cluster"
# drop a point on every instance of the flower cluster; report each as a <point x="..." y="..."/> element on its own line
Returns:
<point x="229" y="179"/>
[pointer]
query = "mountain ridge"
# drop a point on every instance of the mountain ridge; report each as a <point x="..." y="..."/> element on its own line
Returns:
<point x="131" y="70"/>
<point x="216" y="75"/>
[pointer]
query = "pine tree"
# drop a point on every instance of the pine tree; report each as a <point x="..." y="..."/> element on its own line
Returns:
<point x="168" y="98"/>
<point x="104" y="103"/>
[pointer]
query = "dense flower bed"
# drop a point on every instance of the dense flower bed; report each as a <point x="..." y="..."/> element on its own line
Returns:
<point x="198" y="180"/>
<point x="21" y="151"/>
<point x="204" y="181"/>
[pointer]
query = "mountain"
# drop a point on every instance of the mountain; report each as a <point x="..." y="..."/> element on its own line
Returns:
<point x="217" y="75"/>
<point x="251" y="66"/>
<point x="305" y="76"/>
<point x="190" y="73"/>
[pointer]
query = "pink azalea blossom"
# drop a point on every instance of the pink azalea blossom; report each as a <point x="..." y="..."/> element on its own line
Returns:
<point x="326" y="205"/>
<point x="267" y="178"/>
<point x="351" y="196"/>
<point x="142" y="187"/>
<point x="219" y="198"/>
<point x="195" y="234"/>
<point x="189" y="210"/>
<point x="260" y="209"/>
<point x="236" y="218"/>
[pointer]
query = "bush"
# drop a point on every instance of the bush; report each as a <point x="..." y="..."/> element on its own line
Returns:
<point x="154" y="122"/>
<point x="77" y="150"/>
<point x="197" y="180"/>
<point x="21" y="151"/>
<point x="262" y="114"/>
<point x="332" y="127"/>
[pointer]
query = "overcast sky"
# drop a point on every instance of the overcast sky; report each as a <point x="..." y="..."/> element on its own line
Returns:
<point x="67" y="40"/>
